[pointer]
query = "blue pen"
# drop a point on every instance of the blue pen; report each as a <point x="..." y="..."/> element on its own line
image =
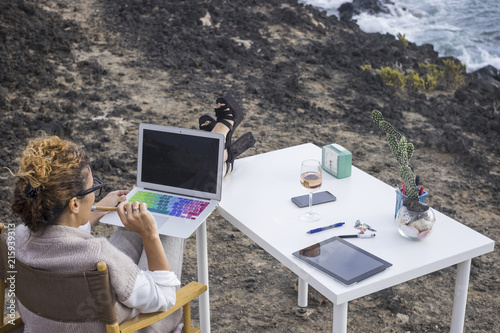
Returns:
<point x="326" y="228"/>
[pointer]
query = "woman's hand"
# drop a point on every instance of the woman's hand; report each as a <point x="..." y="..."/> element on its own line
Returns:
<point x="113" y="198"/>
<point x="110" y="200"/>
<point x="136" y="217"/>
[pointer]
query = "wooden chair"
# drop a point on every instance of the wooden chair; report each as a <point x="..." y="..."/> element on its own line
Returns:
<point x="46" y="294"/>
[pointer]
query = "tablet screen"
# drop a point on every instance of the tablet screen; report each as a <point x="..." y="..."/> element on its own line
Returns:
<point x="342" y="260"/>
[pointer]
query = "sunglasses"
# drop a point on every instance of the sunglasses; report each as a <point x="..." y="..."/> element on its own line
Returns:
<point x="97" y="188"/>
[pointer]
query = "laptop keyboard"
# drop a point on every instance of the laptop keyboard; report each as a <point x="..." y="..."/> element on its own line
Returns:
<point x="170" y="205"/>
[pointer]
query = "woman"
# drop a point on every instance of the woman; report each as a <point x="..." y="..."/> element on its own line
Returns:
<point x="54" y="192"/>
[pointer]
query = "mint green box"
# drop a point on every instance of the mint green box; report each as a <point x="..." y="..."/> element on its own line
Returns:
<point x="336" y="160"/>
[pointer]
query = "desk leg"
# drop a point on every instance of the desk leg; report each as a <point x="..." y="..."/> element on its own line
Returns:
<point x="202" y="257"/>
<point x="340" y="318"/>
<point x="460" y="299"/>
<point x="303" y="289"/>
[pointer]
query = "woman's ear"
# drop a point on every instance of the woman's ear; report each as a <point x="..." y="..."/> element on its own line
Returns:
<point x="74" y="205"/>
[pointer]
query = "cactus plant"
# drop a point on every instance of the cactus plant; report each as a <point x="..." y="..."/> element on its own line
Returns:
<point x="403" y="151"/>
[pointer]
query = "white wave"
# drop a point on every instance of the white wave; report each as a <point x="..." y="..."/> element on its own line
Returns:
<point x="475" y="62"/>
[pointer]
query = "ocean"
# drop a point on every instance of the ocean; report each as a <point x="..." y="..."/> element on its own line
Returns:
<point x="465" y="29"/>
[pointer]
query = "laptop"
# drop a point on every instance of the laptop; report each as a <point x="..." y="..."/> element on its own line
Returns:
<point x="179" y="177"/>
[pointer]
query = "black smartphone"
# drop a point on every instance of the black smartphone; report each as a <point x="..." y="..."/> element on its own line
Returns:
<point x="318" y="198"/>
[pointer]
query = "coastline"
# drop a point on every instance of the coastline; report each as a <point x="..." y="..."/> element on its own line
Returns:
<point x="450" y="26"/>
<point x="92" y="71"/>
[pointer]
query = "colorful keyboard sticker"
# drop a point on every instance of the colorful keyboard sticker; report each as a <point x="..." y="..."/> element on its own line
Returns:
<point x="170" y="205"/>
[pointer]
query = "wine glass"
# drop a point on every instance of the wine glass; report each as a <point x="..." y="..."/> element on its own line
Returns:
<point x="310" y="179"/>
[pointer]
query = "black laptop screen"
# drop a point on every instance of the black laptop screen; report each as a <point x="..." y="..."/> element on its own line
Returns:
<point x="180" y="160"/>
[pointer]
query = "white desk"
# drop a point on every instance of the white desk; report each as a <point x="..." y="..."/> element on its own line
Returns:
<point x="256" y="200"/>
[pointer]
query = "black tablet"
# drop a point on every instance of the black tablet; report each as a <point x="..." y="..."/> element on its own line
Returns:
<point x="342" y="260"/>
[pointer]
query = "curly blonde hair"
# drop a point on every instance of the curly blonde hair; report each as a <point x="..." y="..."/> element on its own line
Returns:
<point x="55" y="170"/>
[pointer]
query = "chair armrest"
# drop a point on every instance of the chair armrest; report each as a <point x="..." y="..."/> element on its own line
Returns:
<point x="9" y="324"/>
<point x="183" y="296"/>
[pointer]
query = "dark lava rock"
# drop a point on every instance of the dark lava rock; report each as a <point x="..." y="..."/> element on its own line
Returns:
<point x="348" y="9"/>
<point x="489" y="74"/>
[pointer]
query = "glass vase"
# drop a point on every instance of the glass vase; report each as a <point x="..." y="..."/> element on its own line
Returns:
<point x="415" y="225"/>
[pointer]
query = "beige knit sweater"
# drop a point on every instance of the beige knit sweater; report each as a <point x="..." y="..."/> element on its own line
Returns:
<point x="67" y="250"/>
